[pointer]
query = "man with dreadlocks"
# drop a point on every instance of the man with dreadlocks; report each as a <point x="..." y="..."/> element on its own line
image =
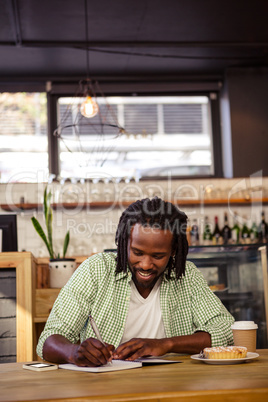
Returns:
<point x="146" y="299"/>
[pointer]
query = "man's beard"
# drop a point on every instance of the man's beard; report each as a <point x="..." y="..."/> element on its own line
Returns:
<point x="144" y="284"/>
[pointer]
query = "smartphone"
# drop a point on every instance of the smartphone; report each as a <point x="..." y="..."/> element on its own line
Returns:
<point x="40" y="366"/>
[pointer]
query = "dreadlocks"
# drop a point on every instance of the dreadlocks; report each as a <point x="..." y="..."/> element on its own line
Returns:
<point x="158" y="214"/>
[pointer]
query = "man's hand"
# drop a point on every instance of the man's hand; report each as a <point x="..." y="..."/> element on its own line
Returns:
<point x="138" y="347"/>
<point x="92" y="352"/>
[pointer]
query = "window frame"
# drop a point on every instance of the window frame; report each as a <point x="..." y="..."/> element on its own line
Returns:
<point x="53" y="144"/>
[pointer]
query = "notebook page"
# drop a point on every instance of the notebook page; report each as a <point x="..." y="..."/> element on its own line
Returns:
<point x="115" y="366"/>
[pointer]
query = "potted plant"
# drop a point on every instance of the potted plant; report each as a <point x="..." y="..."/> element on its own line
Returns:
<point x="60" y="268"/>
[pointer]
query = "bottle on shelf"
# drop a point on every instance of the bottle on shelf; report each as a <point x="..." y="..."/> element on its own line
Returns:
<point x="207" y="235"/>
<point x="245" y="232"/>
<point x="216" y="235"/>
<point x="226" y="231"/>
<point x="188" y="233"/>
<point x="253" y="233"/>
<point x="236" y="231"/>
<point x="195" y="233"/>
<point x="263" y="229"/>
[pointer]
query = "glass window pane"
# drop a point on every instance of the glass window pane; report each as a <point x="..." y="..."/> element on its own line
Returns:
<point x="141" y="118"/>
<point x="183" y="119"/>
<point x="23" y="137"/>
<point x="163" y="136"/>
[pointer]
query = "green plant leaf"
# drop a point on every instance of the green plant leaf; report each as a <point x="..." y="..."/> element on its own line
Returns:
<point x="49" y="228"/>
<point x="66" y="243"/>
<point x="48" y="239"/>
<point x="41" y="233"/>
<point x="48" y="218"/>
<point x="45" y="204"/>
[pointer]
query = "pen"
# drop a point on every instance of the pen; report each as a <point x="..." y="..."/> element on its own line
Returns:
<point x="96" y="331"/>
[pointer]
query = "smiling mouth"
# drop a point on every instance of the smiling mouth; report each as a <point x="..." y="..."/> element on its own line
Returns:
<point x="145" y="274"/>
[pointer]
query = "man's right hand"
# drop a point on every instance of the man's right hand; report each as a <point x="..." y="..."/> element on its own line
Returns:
<point x="91" y="352"/>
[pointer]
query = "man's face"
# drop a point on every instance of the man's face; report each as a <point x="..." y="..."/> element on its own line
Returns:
<point x="149" y="250"/>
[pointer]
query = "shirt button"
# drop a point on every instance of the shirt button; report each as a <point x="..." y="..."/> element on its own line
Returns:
<point x="127" y="298"/>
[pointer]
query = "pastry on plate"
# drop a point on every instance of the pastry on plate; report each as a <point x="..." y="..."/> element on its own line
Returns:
<point x="225" y="352"/>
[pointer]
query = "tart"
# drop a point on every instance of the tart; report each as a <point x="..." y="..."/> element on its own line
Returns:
<point x="228" y="352"/>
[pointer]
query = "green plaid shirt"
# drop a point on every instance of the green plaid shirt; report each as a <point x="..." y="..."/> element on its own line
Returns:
<point x="187" y="305"/>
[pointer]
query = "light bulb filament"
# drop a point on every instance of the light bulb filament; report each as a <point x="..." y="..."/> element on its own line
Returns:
<point x="89" y="108"/>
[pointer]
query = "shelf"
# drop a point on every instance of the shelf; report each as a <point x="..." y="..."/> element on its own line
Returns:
<point x="64" y="205"/>
<point x="42" y="273"/>
<point x="44" y="300"/>
<point x="102" y="204"/>
<point x="79" y="259"/>
<point x="38" y="320"/>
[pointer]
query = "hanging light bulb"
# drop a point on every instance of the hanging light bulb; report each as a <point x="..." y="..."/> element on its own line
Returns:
<point x="89" y="108"/>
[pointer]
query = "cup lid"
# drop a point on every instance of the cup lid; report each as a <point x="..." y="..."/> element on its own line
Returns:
<point x="244" y="325"/>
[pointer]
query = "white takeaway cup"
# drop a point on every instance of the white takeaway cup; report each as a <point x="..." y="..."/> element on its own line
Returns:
<point x="245" y="334"/>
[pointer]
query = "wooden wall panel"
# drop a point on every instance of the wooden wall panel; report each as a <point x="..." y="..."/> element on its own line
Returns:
<point x="24" y="264"/>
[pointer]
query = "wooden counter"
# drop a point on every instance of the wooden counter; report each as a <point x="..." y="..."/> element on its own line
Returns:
<point x="189" y="381"/>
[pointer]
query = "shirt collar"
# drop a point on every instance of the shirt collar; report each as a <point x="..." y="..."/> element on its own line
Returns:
<point x="172" y="276"/>
<point x="123" y="275"/>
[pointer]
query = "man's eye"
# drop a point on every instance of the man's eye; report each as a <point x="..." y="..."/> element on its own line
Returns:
<point x="137" y="253"/>
<point x="158" y="257"/>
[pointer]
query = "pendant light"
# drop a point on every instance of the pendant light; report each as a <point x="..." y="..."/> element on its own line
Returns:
<point x="89" y="107"/>
<point x="89" y="123"/>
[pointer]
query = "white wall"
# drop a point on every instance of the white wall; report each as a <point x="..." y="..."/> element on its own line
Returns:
<point x="92" y="230"/>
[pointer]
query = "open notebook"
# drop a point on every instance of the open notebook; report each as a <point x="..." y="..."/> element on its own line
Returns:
<point x="119" y="365"/>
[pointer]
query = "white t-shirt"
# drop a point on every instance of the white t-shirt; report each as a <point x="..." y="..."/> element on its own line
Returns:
<point x="144" y="319"/>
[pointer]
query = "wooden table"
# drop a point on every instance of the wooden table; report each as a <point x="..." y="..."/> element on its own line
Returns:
<point x="187" y="381"/>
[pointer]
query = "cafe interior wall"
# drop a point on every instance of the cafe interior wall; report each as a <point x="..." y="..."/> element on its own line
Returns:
<point x="246" y="178"/>
<point x="92" y="229"/>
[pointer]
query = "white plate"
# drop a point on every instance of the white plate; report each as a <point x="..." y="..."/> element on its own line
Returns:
<point x="249" y="356"/>
<point x="220" y="290"/>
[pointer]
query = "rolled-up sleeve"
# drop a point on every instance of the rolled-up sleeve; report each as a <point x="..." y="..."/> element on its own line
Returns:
<point x="71" y="308"/>
<point x="209" y="314"/>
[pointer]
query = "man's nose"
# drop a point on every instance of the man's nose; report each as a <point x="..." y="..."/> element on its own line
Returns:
<point x="146" y="262"/>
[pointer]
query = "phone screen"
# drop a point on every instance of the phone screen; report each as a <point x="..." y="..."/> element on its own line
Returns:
<point x="40" y="365"/>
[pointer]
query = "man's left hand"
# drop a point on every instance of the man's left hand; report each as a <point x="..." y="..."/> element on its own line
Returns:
<point x="139" y="347"/>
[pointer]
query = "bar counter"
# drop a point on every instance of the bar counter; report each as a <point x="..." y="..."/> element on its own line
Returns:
<point x="188" y="381"/>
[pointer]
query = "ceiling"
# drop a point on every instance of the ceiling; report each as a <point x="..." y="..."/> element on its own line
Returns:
<point x="47" y="39"/>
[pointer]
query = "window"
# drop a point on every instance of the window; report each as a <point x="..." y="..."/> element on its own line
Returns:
<point x="23" y="137"/>
<point x="165" y="135"/>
